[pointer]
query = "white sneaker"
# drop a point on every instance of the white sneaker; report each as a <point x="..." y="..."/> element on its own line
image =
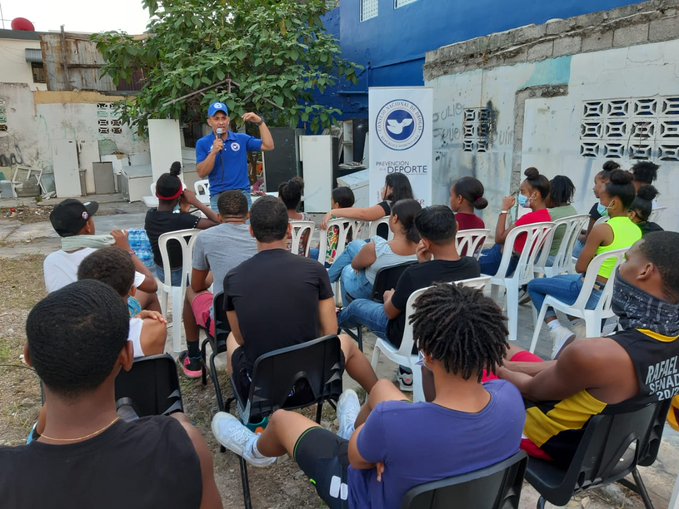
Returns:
<point x="236" y="437"/>
<point x="560" y="335"/>
<point x="348" y="408"/>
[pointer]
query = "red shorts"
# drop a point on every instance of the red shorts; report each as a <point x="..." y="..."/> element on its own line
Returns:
<point x="531" y="449"/>
<point x="202" y="307"/>
<point x="522" y="356"/>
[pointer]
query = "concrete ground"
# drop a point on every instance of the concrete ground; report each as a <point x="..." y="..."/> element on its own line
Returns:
<point x="17" y="240"/>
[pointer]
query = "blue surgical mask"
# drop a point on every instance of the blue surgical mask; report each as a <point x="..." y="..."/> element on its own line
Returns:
<point x="524" y="201"/>
<point x="602" y="209"/>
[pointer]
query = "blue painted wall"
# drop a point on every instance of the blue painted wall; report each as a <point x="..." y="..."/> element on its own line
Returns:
<point x="392" y="45"/>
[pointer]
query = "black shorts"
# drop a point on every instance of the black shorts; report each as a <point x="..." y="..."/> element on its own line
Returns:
<point x="324" y="458"/>
<point x="241" y="376"/>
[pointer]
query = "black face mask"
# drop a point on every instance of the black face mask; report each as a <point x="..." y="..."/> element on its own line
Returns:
<point x="640" y="310"/>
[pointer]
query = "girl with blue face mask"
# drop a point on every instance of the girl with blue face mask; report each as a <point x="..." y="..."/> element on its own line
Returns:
<point x="619" y="232"/>
<point x="532" y="194"/>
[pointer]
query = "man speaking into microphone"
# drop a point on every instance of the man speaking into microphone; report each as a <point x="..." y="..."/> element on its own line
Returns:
<point x="222" y="157"/>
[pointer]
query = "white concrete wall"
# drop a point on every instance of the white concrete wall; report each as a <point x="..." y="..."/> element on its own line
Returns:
<point x="13" y="65"/>
<point x="38" y="120"/>
<point x="551" y="128"/>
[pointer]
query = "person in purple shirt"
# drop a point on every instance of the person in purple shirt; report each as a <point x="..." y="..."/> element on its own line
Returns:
<point x="396" y="444"/>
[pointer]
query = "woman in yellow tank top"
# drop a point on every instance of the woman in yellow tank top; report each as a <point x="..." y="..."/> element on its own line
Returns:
<point x="618" y="232"/>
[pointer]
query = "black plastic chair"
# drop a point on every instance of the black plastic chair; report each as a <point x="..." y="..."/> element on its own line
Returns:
<point x="385" y="279"/>
<point x="217" y="345"/>
<point x="151" y="387"/>
<point x="611" y="448"/>
<point x="494" y="487"/>
<point x="293" y="377"/>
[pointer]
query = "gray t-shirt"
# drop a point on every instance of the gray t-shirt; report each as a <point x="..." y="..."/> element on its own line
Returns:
<point x="221" y="248"/>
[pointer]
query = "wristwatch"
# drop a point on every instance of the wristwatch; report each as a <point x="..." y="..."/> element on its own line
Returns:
<point x="261" y="121"/>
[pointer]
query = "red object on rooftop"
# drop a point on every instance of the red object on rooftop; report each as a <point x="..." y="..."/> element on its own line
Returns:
<point x="22" y="24"/>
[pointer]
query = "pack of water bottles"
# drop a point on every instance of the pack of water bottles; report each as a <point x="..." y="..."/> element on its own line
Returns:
<point x="141" y="245"/>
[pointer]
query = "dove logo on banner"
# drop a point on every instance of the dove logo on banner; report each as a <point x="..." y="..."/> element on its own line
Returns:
<point x="400" y="139"/>
<point x="399" y="124"/>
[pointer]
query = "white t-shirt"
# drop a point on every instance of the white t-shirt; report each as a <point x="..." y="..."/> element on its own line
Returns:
<point x="136" y="325"/>
<point x="61" y="268"/>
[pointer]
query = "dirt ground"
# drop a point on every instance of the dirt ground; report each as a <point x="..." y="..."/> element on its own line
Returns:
<point x="282" y="486"/>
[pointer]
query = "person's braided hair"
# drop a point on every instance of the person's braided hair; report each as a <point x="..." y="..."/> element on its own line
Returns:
<point x="460" y="327"/>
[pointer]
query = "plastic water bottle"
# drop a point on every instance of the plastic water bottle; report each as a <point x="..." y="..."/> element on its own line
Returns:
<point x="140" y="244"/>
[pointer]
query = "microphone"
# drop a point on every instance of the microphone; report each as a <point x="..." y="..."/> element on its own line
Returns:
<point x="220" y="131"/>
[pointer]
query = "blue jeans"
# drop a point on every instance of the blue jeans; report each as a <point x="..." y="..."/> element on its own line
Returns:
<point x="350" y="252"/>
<point x="565" y="287"/>
<point x="355" y="285"/>
<point x="176" y="275"/>
<point x="215" y="197"/>
<point x="365" y="312"/>
<point x="577" y="248"/>
<point x="490" y="261"/>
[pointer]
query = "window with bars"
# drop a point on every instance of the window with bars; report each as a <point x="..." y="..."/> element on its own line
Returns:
<point x="38" y="72"/>
<point x="476" y="129"/>
<point x="638" y="128"/>
<point x="401" y="3"/>
<point x="369" y="9"/>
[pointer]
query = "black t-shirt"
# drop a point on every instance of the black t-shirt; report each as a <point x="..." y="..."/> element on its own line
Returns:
<point x="146" y="463"/>
<point x="386" y="206"/>
<point x="594" y="212"/>
<point x="159" y="222"/>
<point x="275" y="295"/>
<point x="422" y="275"/>
<point x="649" y="227"/>
<point x="383" y="229"/>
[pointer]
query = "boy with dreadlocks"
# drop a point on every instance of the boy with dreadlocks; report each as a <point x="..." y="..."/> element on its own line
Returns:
<point x="468" y="426"/>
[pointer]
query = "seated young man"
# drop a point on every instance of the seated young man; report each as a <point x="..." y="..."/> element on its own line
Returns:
<point x="623" y="371"/>
<point x="113" y="266"/>
<point x="438" y="260"/>
<point x="216" y="251"/>
<point x="104" y="461"/>
<point x="398" y="444"/>
<point x="277" y="299"/>
<point x="74" y="222"/>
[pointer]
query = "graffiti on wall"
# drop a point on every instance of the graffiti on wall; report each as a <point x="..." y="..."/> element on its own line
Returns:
<point x="11" y="156"/>
<point x="473" y="129"/>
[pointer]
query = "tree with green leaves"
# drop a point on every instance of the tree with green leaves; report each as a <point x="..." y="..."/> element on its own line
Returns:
<point x="268" y="56"/>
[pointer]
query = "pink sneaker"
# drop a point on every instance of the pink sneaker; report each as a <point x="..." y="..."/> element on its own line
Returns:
<point x="193" y="368"/>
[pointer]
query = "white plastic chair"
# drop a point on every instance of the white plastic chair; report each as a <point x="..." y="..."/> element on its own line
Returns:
<point x="186" y="239"/>
<point x="403" y="355"/>
<point x="471" y="241"/>
<point x="592" y="317"/>
<point x="373" y="225"/>
<point x="345" y="226"/>
<point x="302" y="231"/>
<point x="202" y="189"/>
<point x="656" y="214"/>
<point x="535" y="234"/>
<point x="563" y="259"/>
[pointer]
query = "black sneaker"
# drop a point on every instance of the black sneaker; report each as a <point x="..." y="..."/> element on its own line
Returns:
<point x="192" y="367"/>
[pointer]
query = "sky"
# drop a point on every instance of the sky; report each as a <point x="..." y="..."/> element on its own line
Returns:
<point x="77" y="15"/>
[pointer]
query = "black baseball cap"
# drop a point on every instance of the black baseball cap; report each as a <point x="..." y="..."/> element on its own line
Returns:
<point x="69" y="217"/>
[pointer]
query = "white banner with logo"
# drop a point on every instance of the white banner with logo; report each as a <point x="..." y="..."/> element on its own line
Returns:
<point x="401" y="138"/>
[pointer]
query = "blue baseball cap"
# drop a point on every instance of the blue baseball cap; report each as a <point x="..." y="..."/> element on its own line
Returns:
<point x="215" y="107"/>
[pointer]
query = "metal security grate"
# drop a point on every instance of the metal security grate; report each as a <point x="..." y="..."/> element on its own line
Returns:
<point x="369" y="9"/>
<point x="638" y="128"/>
<point x="476" y="129"/>
<point x="401" y="3"/>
